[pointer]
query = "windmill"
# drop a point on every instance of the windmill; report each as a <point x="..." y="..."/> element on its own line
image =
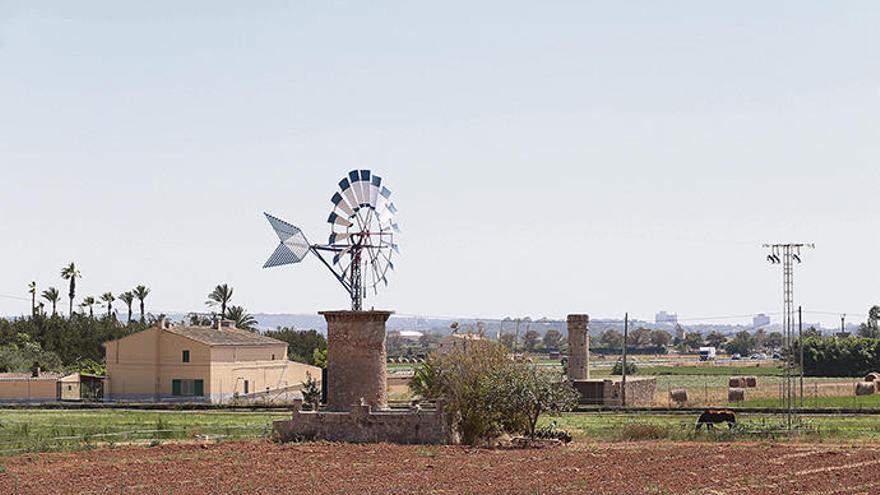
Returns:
<point x="361" y="243"/>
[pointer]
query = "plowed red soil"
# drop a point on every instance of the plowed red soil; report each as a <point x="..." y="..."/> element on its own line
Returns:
<point x="624" y="468"/>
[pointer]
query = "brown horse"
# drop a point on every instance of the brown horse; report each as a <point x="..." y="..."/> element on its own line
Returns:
<point x="711" y="417"/>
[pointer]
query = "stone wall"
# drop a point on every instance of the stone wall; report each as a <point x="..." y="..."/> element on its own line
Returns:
<point x="356" y="359"/>
<point x="639" y="391"/>
<point x="578" y="347"/>
<point x="363" y="425"/>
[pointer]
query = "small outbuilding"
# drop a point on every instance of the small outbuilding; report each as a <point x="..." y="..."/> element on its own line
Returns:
<point x="38" y="386"/>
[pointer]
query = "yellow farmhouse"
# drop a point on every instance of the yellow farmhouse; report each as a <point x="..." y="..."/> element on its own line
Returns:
<point x="215" y="364"/>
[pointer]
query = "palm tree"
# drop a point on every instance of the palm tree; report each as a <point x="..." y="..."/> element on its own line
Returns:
<point x="141" y="293"/>
<point x="241" y="317"/>
<point x="108" y="298"/>
<point x="221" y="296"/>
<point x="88" y="302"/>
<point x="32" y="288"/>
<point x="51" y="294"/>
<point x="70" y="272"/>
<point x="128" y="298"/>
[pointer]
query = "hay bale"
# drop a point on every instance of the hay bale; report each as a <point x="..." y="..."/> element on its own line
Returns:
<point x="736" y="382"/>
<point x="679" y="395"/>
<point x="736" y="395"/>
<point x="751" y="381"/>
<point x="872" y="377"/>
<point x="865" y="388"/>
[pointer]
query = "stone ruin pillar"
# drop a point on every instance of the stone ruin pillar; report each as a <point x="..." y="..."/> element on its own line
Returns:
<point x="356" y="359"/>
<point x="578" y="347"/>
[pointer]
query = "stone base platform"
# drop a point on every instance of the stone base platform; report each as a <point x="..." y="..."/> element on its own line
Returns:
<point x="363" y="425"/>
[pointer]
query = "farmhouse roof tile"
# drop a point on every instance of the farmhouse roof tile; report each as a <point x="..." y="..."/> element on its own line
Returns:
<point x="224" y="336"/>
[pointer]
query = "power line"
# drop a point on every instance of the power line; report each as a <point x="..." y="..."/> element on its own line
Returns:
<point x="4" y="296"/>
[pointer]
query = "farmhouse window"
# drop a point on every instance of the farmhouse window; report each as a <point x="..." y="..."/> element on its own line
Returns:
<point x="185" y="356"/>
<point x="246" y="387"/>
<point x="188" y="388"/>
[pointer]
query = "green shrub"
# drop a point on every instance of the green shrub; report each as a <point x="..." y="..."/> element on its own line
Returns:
<point x="486" y="393"/>
<point x="631" y="368"/>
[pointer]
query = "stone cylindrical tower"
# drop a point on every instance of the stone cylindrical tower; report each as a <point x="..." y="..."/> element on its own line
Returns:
<point x="578" y="347"/>
<point x="356" y="359"/>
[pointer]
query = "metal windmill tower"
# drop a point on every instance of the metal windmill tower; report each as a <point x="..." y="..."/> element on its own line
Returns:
<point x="361" y="241"/>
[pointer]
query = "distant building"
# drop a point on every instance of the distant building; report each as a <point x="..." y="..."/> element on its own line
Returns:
<point x="664" y="318"/>
<point x="458" y="340"/>
<point x="215" y="364"/>
<point x="760" y="320"/>
<point x="410" y="334"/>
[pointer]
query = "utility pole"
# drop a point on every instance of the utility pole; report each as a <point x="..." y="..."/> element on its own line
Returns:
<point x="842" y="324"/>
<point x="786" y="254"/>
<point x="623" y="369"/>
<point x="801" y="349"/>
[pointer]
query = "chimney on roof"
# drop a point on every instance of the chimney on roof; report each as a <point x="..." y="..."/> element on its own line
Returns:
<point x="163" y="324"/>
<point x="35" y="370"/>
<point x="218" y="323"/>
<point x="227" y="323"/>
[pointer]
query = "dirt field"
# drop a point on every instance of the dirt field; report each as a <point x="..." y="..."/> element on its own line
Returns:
<point x="623" y="468"/>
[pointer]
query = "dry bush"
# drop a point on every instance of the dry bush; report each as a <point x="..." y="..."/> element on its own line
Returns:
<point x="643" y="431"/>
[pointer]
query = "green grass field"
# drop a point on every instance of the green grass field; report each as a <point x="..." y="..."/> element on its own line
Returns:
<point x="37" y="430"/>
<point x="53" y="430"/>
<point x="726" y="371"/>
<point x="619" y="427"/>
<point x="850" y="402"/>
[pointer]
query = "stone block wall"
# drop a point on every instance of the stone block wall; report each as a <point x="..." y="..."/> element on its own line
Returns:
<point x="363" y="425"/>
<point x="639" y="391"/>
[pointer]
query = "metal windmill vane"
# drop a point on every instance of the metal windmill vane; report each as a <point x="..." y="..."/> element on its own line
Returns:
<point x="361" y="243"/>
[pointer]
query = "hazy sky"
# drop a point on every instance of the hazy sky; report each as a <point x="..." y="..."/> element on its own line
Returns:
<point x="546" y="157"/>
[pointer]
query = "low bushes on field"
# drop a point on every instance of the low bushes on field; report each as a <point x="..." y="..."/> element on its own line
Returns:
<point x="485" y="393"/>
<point x="643" y="431"/>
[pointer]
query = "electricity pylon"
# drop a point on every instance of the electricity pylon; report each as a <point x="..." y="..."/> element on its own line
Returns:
<point x="786" y="255"/>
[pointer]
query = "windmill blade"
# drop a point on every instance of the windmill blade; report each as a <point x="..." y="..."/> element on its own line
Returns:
<point x="354" y="177"/>
<point x="337" y="237"/>
<point x="375" y="185"/>
<point x="338" y="220"/>
<point x="348" y="192"/>
<point x="365" y="188"/>
<point x="339" y="202"/>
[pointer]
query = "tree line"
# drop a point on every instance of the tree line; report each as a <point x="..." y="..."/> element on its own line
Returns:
<point x="73" y="342"/>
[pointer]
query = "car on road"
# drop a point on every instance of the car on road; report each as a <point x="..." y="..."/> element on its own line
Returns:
<point x="736" y="356"/>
